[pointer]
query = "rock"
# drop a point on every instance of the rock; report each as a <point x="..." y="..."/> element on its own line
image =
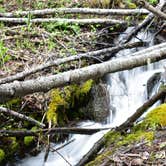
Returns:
<point x="151" y="83"/>
<point x="98" y="106"/>
<point x="137" y="161"/>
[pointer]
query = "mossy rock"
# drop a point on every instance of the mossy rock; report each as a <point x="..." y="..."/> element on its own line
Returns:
<point x="28" y="140"/>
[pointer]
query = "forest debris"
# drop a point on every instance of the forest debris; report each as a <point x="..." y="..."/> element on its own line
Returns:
<point x="144" y="23"/>
<point x="63" y="21"/>
<point x="152" y="9"/>
<point x="22" y="88"/>
<point x="96" y="11"/>
<point x="88" y="55"/>
<point x="21" y="116"/>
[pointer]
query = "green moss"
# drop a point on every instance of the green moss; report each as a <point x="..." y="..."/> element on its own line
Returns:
<point x="56" y="101"/>
<point x="2" y="155"/>
<point x="13" y="145"/>
<point x="28" y="140"/>
<point x="133" y="137"/>
<point x="64" y="104"/>
<point x="154" y="119"/>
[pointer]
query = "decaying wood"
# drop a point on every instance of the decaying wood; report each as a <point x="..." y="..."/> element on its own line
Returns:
<point x="141" y="110"/>
<point x="144" y="23"/>
<point x="89" y="55"/>
<point x="97" y="11"/>
<point x="152" y="9"/>
<point x="21" y="116"/>
<point x="62" y="130"/>
<point x="62" y="21"/>
<point x="45" y="83"/>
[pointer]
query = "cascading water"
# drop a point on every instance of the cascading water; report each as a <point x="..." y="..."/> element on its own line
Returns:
<point x="127" y="92"/>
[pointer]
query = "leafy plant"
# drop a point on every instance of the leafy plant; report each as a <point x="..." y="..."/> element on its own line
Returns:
<point x="4" y="57"/>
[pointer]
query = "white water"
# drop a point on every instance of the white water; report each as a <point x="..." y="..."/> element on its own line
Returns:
<point x="127" y="92"/>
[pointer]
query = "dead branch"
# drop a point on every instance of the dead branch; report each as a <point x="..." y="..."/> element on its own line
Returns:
<point x="62" y="130"/>
<point x="129" y="122"/>
<point x="45" y="83"/>
<point x="99" y="144"/>
<point x="62" y="21"/>
<point x="21" y="116"/>
<point x="144" y="23"/>
<point x="44" y="12"/>
<point x="152" y="9"/>
<point x="57" y="62"/>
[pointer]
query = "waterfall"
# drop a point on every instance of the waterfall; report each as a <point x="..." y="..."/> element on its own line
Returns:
<point x="127" y="91"/>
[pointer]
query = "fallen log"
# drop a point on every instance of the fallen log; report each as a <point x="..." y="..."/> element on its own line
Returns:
<point x="62" y="130"/>
<point x="97" y="11"/>
<point x="89" y="55"/>
<point x="127" y="124"/>
<point x="46" y="83"/>
<point x="144" y="23"/>
<point x="141" y="110"/>
<point x="21" y="116"/>
<point x="62" y="21"/>
<point x="152" y="9"/>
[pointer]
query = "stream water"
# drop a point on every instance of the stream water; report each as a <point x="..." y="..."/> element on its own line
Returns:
<point x="127" y="91"/>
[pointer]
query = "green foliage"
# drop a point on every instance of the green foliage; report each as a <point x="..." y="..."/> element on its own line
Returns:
<point x="153" y="1"/>
<point x="4" y="57"/>
<point x="2" y="155"/>
<point x="28" y="140"/>
<point x="61" y="26"/>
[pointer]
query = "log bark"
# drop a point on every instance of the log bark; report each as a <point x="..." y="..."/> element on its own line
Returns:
<point x="144" y="23"/>
<point x="89" y="55"/>
<point x="45" y="83"/>
<point x="62" y="130"/>
<point x="97" y="11"/>
<point x="152" y="9"/>
<point x="21" y="116"/>
<point x="62" y="21"/>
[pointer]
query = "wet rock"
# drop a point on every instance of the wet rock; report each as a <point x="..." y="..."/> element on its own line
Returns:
<point x="98" y="106"/>
<point x="151" y="83"/>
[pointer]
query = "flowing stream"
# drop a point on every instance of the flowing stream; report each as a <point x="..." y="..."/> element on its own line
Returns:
<point x="127" y="91"/>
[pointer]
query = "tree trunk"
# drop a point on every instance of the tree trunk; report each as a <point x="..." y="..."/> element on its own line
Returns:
<point x="89" y="55"/>
<point x="63" y="21"/>
<point x="44" y="12"/>
<point x="45" y="83"/>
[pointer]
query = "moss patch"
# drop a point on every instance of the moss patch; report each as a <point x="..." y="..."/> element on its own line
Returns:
<point x="65" y="103"/>
<point x="2" y="155"/>
<point x="154" y="119"/>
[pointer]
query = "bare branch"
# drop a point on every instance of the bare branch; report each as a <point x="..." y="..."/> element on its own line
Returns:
<point x="57" y="62"/>
<point x="44" y="12"/>
<point x="21" y="116"/>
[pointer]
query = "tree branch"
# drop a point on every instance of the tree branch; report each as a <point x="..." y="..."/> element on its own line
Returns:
<point x="57" y="62"/>
<point x="21" y="116"/>
<point x="45" y="83"/>
<point x="62" y="21"/>
<point x="98" y="11"/>
<point x="152" y="9"/>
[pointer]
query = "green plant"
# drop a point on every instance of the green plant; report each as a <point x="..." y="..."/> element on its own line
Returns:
<point x="4" y="57"/>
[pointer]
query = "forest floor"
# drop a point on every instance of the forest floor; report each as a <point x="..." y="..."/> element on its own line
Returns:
<point x="25" y="46"/>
